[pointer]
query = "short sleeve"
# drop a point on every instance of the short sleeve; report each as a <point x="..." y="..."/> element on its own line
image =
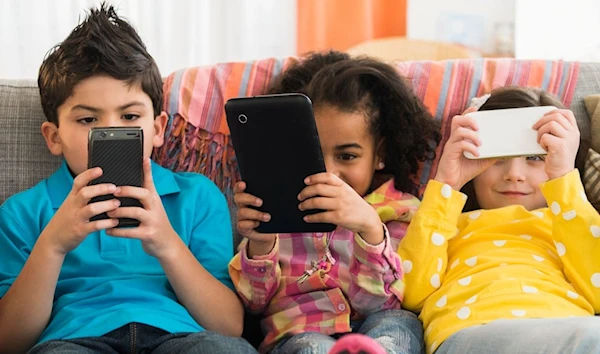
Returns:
<point x="15" y="247"/>
<point x="211" y="240"/>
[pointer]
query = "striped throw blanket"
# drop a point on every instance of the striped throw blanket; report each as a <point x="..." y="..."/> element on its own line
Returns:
<point x="197" y="136"/>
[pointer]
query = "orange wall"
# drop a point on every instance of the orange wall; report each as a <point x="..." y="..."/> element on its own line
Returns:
<point x="340" y="24"/>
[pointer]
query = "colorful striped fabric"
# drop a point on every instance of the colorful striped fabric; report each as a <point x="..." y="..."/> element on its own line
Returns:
<point x="446" y="87"/>
<point x="197" y="134"/>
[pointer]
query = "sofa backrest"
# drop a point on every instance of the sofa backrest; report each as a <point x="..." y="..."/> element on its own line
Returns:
<point x="197" y="137"/>
<point x="194" y="99"/>
<point x="24" y="157"/>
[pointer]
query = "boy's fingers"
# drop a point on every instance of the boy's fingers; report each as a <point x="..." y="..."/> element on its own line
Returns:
<point x="88" y="192"/>
<point x="97" y="208"/>
<point x="136" y="213"/>
<point x="148" y="180"/>
<point x="128" y="232"/>
<point x="141" y="194"/>
<point x="85" y="177"/>
<point x="98" y="225"/>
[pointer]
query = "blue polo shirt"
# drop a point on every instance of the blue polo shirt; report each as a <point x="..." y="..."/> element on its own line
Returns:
<point x="108" y="282"/>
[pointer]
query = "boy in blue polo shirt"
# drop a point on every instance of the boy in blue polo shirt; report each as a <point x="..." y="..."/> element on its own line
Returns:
<point x="71" y="285"/>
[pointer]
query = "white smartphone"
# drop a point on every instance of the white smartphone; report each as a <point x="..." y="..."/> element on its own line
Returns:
<point x="508" y="132"/>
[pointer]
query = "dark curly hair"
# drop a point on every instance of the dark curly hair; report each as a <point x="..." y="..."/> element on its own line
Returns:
<point x="519" y="97"/>
<point x="103" y="44"/>
<point x="375" y="89"/>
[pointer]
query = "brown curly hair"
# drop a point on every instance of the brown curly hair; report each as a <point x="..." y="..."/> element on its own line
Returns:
<point x="375" y="89"/>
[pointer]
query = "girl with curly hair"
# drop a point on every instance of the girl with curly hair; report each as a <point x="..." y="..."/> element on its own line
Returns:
<point x="313" y="288"/>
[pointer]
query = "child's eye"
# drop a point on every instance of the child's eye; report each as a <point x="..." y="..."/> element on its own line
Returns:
<point x="86" y="120"/>
<point x="347" y="157"/>
<point x="535" y="158"/>
<point x="130" y="116"/>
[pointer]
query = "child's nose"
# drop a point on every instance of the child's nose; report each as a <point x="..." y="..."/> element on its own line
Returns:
<point x="116" y="122"/>
<point x="515" y="169"/>
<point x="331" y="167"/>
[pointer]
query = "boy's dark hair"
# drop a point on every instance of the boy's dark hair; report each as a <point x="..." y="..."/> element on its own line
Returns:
<point x="376" y="90"/>
<point x="519" y="97"/>
<point x="103" y="44"/>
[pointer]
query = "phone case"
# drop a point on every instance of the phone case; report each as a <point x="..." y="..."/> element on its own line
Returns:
<point x="119" y="152"/>
<point x="508" y="132"/>
<point x="277" y="146"/>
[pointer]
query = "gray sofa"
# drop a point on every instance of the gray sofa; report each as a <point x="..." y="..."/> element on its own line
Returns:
<point x="25" y="160"/>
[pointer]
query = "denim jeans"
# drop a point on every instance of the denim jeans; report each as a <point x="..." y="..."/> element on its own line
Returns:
<point x="576" y="335"/>
<point x="139" y="338"/>
<point x="398" y="331"/>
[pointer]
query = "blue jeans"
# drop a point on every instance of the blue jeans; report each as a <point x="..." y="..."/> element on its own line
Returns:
<point x="139" y="338"/>
<point x="576" y="335"/>
<point x="398" y="331"/>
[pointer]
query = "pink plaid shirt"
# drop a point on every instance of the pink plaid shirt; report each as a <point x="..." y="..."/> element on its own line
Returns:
<point x="364" y="279"/>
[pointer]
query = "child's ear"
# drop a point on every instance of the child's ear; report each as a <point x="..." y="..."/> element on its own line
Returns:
<point x="50" y="133"/>
<point x="160" y="124"/>
<point x="380" y="155"/>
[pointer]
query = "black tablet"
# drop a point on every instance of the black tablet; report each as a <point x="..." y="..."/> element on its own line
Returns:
<point x="277" y="146"/>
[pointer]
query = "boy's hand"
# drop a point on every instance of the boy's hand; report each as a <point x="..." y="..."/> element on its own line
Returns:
<point x="342" y="206"/>
<point x="71" y="224"/>
<point x="558" y="134"/>
<point x="155" y="230"/>
<point x="454" y="168"/>
<point x="248" y="220"/>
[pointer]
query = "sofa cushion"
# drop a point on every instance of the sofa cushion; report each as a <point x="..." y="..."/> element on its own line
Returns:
<point x="197" y="139"/>
<point x="592" y="105"/>
<point x="24" y="157"/>
<point x="591" y="177"/>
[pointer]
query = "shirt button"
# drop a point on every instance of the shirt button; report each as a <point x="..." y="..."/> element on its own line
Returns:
<point x="319" y="234"/>
<point x="341" y="307"/>
<point x="262" y="270"/>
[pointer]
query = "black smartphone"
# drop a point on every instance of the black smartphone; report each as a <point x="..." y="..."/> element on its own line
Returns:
<point x="119" y="152"/>
<point x="277" y="146"/>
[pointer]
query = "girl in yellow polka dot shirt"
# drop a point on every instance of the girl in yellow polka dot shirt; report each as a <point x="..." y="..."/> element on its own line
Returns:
<point x="512" y="275"/>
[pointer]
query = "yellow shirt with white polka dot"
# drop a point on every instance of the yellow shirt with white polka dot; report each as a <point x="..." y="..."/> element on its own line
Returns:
<point x="466" y="269"/>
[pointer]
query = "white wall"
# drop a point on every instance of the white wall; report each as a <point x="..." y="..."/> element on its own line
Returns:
<point x="558" y="29"/>
<point x="177" y="33"/>
<point x="425" y="18"/>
